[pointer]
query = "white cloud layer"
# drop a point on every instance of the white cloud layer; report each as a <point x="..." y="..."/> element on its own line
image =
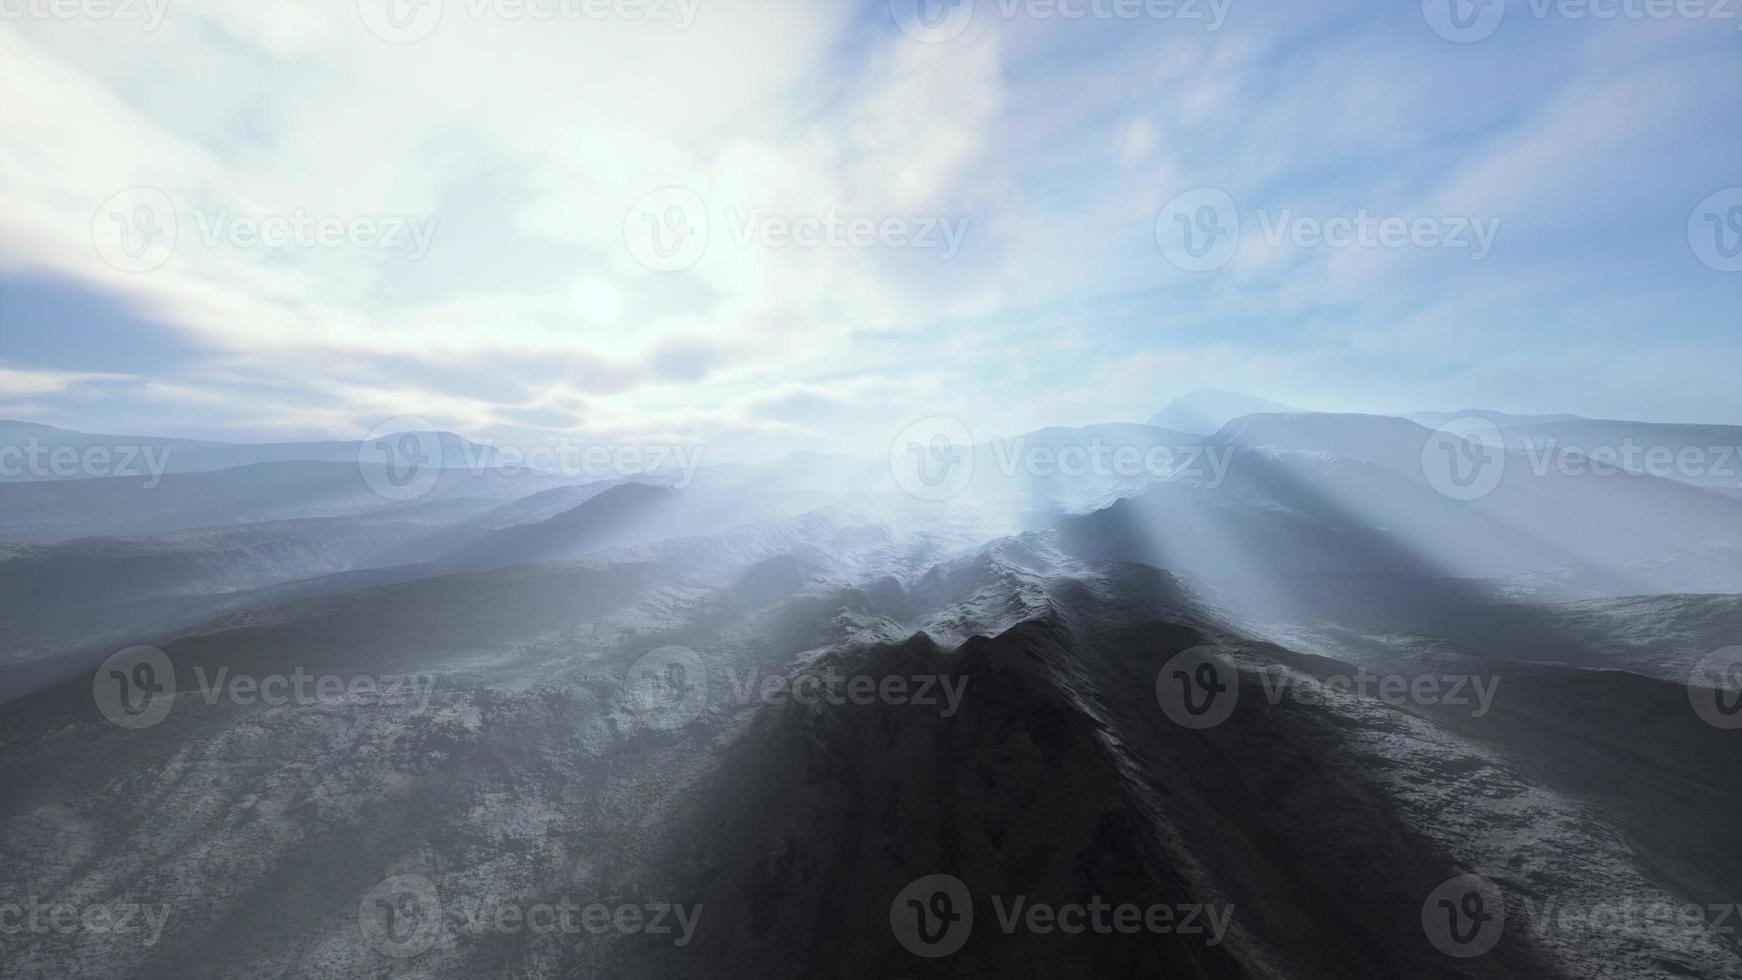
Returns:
<point x="513" y="150"/>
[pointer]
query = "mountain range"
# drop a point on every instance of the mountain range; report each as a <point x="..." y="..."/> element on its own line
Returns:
<point x="600" y="703"/>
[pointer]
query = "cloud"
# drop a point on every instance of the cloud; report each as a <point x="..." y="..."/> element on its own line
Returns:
<point x="16" y="382"/>
<point x="519" y="147"/>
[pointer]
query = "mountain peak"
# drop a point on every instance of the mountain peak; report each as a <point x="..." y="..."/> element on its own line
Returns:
<point x="1206" y="410"/>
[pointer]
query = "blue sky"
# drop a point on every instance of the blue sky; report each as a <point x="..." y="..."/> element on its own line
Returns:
<point x="532" y="150"/>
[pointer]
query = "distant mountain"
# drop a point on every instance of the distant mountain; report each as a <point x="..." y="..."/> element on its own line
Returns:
<point x="1205" y="410"/>
<point x="1695" y="453"/>
<point x="1308" y="495"/>
<point x="1060" y="468"/>
<point x="55" y="598"/>
<point x="17" y="433"/>
<point x="1077" y="468"/>
<point x="540" y="506"/>
<point x="799" y="471"/>
<point x="57" y="510"/>
<point x="1111" y="433"/>
<point x="1434" y="420"/>
<point x="1381" y="439"/>
<point x="529" y="761"/>
<point x="517" y="728"/>
<point x="1703" y="455"/>
<point x="191" y="455"/>
<point x="622" y="515"/>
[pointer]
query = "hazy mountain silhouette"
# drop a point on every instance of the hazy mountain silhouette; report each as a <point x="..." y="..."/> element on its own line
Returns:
<point x="1205" y="410"/>
<point x="526" y="764"/>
